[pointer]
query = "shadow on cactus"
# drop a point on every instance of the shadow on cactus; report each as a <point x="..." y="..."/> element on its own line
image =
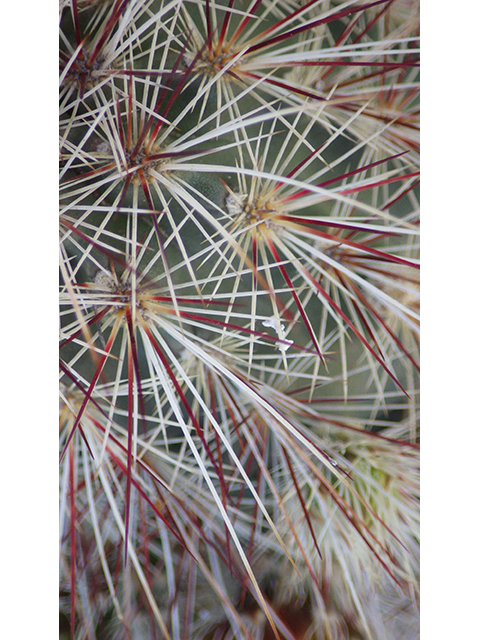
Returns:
<point x="239" y="328"/>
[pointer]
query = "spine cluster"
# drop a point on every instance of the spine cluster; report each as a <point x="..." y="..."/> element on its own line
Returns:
<point x="239" y="319"/>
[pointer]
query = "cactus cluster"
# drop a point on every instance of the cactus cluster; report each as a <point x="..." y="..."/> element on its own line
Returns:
<point x="239" y="319"/>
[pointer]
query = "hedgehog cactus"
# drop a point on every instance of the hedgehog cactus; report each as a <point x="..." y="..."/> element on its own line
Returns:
<point x="239" y="319"/>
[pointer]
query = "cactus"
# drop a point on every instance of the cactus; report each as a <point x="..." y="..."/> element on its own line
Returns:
<point x="239" y="319"/>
